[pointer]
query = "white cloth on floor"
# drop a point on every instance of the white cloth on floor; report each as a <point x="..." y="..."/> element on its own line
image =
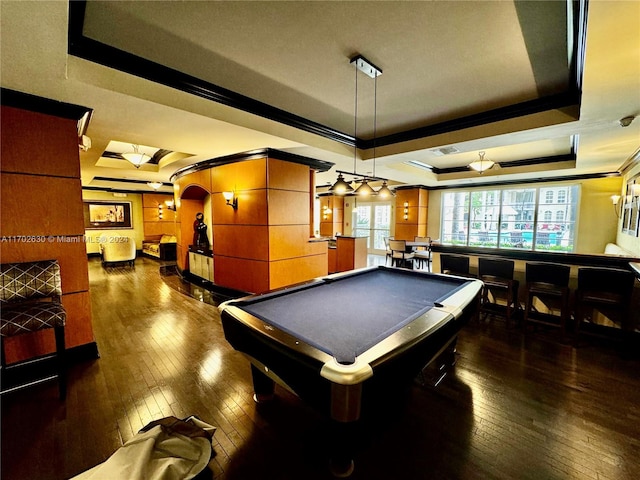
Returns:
<point x="169" y="449"/>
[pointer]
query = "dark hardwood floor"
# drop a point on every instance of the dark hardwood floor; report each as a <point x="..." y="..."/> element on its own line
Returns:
<point x="515" y="408"/>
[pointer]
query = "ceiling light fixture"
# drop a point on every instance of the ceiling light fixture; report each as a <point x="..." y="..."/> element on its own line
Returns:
<point x="481" y="164"/>
<point x="155" y="185"/>
<point x="365" y="189"/>
<point x="385" y="191"/>
<point x="136" y="157"/>
<point x="341" y="187"/>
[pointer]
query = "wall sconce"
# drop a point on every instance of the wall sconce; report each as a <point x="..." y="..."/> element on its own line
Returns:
<point x="231" y="199"/>
<point x="615" y="199"/>
<point x="160" y="212"/>
<point x="170" y="205"/>
<point x="326" y="211"/>
<point x="406" y="210"/>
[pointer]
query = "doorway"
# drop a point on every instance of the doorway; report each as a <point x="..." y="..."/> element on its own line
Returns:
<point x="373" y="220"/>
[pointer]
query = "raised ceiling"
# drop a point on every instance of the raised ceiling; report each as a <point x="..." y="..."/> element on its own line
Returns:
<point x="507" y="78"/>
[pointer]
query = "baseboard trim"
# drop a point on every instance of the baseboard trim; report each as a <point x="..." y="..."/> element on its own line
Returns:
<point x="44" y="368"/>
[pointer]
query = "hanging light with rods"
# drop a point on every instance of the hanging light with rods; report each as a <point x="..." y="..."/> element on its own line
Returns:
<point x="481" y="164"/>
<point x="341" y="187"/>
<point x="136" y="157"/>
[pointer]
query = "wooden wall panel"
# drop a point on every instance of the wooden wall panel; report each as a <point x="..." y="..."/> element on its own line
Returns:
<point x="41" y="194"/>
<point x="288" y="176"/>
<point x="405" y="232"/>
<point x="288" y="241"/>
<point x="288" y="208"/>
<point x="200" y="179"/>
<point x="241" y="241"/>
<point x="296" y="270"/>
<point x="152" y="200"/>
<point x="252" y="208"/>
<point x="40" y="205"/>
<point x="151" y="215"/>
<point x="78" y="330"/>
<point x="247" y="175"/>
<point x="416" y="224"/>
<point x="38" y="150"/>
<point x="246" y="275"/>
<point x="155" y="229"/>
<point x="334" y="221"/>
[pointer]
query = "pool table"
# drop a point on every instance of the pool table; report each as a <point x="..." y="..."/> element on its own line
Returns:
<point x="339" y="342"/>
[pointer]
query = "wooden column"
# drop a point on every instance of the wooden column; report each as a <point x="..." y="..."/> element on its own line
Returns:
<point x="153" y="224"/>
<point x="42" y="216"/>
<point x="264" y="243"/>
<point x="331" y="215"/>
<point x="416" y="202"/>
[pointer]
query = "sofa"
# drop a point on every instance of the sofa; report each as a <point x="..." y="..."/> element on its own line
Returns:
<point x="118" y="249"/>
<point x="615" y="249"/>
<point x="162" y="247"/>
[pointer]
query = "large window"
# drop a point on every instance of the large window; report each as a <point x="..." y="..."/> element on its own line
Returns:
<point x="540" y="219"/>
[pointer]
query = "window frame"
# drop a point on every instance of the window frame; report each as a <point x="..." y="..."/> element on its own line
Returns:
<point x="462" y="226"/>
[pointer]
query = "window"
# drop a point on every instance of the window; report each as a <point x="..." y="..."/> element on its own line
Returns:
<point x="562" y="196"/>
<point x="373" y="220"/>
<point x="511" y="218"/>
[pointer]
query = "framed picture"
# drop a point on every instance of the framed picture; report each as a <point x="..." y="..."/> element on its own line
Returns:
<point x="103" y="215"/>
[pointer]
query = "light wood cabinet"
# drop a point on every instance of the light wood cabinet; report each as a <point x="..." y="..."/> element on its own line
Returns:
<point x="201" y="265"/>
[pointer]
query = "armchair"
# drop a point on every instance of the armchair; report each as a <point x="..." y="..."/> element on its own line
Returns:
<point x="118" y="249"/>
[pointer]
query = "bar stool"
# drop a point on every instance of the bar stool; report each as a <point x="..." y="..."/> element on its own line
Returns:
<point x="608" y="290"/>
<point x="549" y="283"/>
<point x="30" y="301"/>
<point x="451" y="264"/>
<point x="497" y="275"/>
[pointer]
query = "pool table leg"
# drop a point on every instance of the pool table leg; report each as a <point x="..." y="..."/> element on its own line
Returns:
<point x="343" y="439"/>
<point x="263" y="386"/>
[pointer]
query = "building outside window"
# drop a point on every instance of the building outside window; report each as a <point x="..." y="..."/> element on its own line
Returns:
<point x="511" y="218"/>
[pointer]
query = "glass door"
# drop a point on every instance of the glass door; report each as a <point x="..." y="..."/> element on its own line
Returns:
<point x="373" y="220"/>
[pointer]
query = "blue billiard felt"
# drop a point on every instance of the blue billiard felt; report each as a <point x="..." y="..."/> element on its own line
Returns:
<point x="344" y="318"/>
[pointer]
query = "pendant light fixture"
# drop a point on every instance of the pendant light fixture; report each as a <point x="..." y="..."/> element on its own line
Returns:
<point x="481" y="164"/>
<point x="136" y="157"/>
<point x="341" y="187"/>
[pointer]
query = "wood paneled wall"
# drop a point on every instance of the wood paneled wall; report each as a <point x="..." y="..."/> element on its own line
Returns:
<point x="416" y="223"/>
<point x="264" y="244"/>
<point x="331" y="222"/>
<point x="153" y="224"/>
<point x="41" y="200"/>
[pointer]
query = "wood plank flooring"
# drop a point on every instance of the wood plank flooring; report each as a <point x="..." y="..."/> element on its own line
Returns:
<point x="515" y="408"/>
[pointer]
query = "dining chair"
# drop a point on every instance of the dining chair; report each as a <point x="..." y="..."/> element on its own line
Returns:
<point x="422" y="254"/>
<point x="399" y="255"/>
<point x="387" y="250"/>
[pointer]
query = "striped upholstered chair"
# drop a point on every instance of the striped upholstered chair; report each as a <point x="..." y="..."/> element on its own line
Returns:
<point x="30" y="301"/>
